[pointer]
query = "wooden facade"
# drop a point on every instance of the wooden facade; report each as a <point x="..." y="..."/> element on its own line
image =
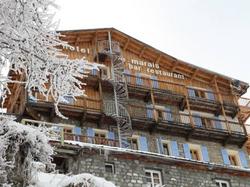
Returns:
<point x="154" y="81"/>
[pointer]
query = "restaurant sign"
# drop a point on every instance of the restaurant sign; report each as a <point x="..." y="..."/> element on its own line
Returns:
<point x="152" y="68"/>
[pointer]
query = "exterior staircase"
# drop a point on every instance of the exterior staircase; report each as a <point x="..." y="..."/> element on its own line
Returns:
<point x="116" y="108"/>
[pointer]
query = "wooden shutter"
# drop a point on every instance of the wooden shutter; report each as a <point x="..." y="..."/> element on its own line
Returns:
<point x="197" y="120"/>
<point x="143" y="143"/>
<point x="210" y="96"/>
<point x="174" y="149"/>
<point x="150" y="111"/>
<point x="154" y="80"/>
<point x="159" y="145"/>
<point x="139" y="80"/>
<point x="187" y="151"/>
<point x="217" y="123"/>
<point x="191" y="92"/>
<point x="225" y="157"/>
<point x="243" y="159"/>
<point x="205" y="155"/>
<point x="168" y="114"/>
<point x="127" y="75"/>
<point x="111" y="135"/>
<point x="90" y="134"/>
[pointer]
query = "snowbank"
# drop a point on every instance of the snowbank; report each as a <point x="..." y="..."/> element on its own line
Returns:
<point x="59" y="180"/>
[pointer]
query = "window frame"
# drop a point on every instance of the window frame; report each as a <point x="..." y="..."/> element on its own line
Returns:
<point x="112" y="166"/>
<point x="166" y="142"/>
<point x="135" y="137"/>
<point x="221" y="181"/>
<point x="197" y="148"/>
<point x="152" y="171"/>
<point x="235" y="154"/>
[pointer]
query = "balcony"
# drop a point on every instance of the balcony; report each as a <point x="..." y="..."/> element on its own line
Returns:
<point x="65" y="132"/>
<point x="199" y="99"/>
<point x="68" y="106"/>
<point x="162" y="90"/>
<point x="195" y="126"/>
<point x="244" y="104"/>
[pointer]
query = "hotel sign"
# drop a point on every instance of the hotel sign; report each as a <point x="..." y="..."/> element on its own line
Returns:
<point x="152" y="68"/>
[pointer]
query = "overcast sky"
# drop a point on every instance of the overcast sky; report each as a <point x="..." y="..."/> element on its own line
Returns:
<point x="214" y="34"/>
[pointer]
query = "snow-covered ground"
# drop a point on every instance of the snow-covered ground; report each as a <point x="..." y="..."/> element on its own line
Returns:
<point x="59" y="180"/>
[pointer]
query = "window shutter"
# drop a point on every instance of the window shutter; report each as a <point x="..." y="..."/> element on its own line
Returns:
<point x="159" y="145"/>
<point x="243" y="159"/>
<point x="150" y="111"/>
<point x="225" y="156"/>
<point x="191" y="92"/>
<point x="77" y="131"/>
<point x="143" y="143"/>
<point x="168" y="114"/>
<point x="205" y="153"/>
<point x="90" y="134"/>
<point x="127" y="75"/>
<point x="111" y="135"/>
<point x="174" y="149"/>
<point x="139" y="80"/>
<point x="94" y="71"/>
<point x="154" y="80"/>
<point x="217" y="123"/>
<point x="197" y="120"/>
<point x="210" y="96"/>
<point x="186" y="151"/>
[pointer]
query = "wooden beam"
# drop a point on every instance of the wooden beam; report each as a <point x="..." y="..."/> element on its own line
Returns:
<point x="158" y="59"/>
<point x="126" y="44"/>
<point x="77" y="39"/>
<point x="142" y="51"/>
<point x="175" y="66"/>
<point x="194" y="74"/>
<point x="222" y="105"/>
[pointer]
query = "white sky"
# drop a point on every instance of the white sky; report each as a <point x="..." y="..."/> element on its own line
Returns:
<point x="214" y="34"/>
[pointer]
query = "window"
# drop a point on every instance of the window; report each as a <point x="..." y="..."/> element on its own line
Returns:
<point x="100" y="136"/>
<point x="166" y="149"/>
<point x="153" y="177"/>
<point x="134" y="143"/>
<point x="109" y="168"/>
<point x="194" y="154"/>
<point x="233" y="158"/>
<point x="105" y="73"/>
<point x="222" y="183"/>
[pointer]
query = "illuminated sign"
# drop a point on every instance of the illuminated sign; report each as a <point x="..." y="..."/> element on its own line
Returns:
<point x="153" y="68"/>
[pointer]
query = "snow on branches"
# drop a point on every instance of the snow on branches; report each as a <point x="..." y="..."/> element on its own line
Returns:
<point x="20" y="145"/>
<point x="30" y="45"/>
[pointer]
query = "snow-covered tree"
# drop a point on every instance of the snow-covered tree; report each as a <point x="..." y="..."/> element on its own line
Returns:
<point x="30" y="46"/>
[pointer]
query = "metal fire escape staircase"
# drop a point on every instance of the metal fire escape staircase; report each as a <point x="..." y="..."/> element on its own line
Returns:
<point x="116" y="108"/>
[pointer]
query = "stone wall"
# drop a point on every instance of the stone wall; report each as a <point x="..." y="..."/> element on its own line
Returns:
<point x="131" y="172"/>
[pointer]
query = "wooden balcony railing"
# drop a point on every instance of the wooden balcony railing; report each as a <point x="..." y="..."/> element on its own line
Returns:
<point x="93" y="140"/>
<point x="244" y="102"/>
<point x="80" y="102"/>
<point x="148" y="113"/>
<point x="181" y="89"/>
<point x="62" y="132"/>
<point x="144" y="82"/>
